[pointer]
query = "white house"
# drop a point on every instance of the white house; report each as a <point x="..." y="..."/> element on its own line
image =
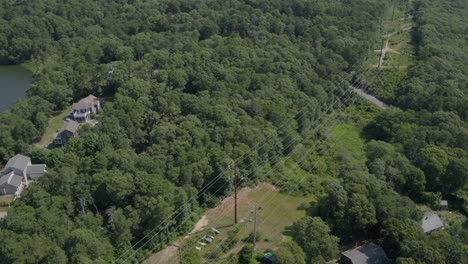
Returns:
<point x="83" y="109"/>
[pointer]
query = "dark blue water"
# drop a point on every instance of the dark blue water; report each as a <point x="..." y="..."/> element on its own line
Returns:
<point x="14" y="81"/>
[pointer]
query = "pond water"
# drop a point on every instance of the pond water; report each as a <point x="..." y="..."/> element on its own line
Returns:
<point x="14" y="81"/>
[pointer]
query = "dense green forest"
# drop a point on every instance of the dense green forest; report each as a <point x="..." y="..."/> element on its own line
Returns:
<point x="191" y="85"/>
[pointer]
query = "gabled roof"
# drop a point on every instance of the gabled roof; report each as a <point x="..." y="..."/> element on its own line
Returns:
<point x="71" y="126"/>
<point x="11" y="179"/>
<point x="90" y="99"/>
<point x="18" y="162"/>
<point x="431" y="222"/>
<point x="85" y="103"/>
<point x="36" y="169"/>
<point x="81" y="105"/>
<point x="366" y="254"/>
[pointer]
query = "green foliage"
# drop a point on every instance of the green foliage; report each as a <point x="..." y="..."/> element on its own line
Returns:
<point x="192" y="85"/>
<point x="312" y="235"/>
<point x="289" y="252"/>
<point x="192" y="256"/>
<point x="246" y="255"/>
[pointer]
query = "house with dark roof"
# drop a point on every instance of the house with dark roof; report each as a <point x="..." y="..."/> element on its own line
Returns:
<point x="70" y="129"/>
<point x="83" y="109"/>
<point x="16" y="174"/>
<point x="431" y="222"/>
<point x="366" y="254"/>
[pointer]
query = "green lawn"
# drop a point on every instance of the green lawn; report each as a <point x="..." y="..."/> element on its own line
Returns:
<point x="55" y="124"/>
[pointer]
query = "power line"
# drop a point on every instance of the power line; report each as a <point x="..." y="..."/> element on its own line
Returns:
<point x="271" y="199"/>
<point x="204" y="189"/>
<point x="282" y="182"/>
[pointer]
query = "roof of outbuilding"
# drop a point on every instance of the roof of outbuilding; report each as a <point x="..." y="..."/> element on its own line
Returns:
<point x="443" y="202"/>
<point x="366" y="254"/>
<point x="36" y="169"/>
<point x="431" y="222"/>
<point x="19" y="162"/>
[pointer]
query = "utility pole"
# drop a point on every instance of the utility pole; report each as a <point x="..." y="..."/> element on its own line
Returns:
<point x="180" y="252"/>
<point x="393" y="13"/>
<point x="381" y="51"/>
<point x="406" y="11"/>
<point x="235" y="192"/>
<point x="399" y="60"/>
<point x="180" y="255"/>
<point x="255" y="226"/>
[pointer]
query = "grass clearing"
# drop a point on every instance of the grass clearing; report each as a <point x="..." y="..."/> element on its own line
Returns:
<point x="278" y="211"/>
<point x="348" y="138"/>
<point x="55" y="124"/>
<point x="5" y="201"/>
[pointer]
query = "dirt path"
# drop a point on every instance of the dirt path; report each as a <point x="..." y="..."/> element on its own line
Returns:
<point x="387" y="48"/>
<point x="169" y="255"/>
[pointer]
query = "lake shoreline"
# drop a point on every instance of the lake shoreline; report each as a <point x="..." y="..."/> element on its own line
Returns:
<point x="14" y="83"/>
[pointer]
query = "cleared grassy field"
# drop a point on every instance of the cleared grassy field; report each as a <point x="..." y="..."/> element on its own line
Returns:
<point x="55" y="124"/>
<point x="275" y="212"/>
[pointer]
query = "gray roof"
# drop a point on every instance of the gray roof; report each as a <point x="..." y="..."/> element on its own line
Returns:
<point x="11" y="179"/>
<point x="19" y="162"/>
<point x="36" y="169"/>
<point x="431" y="222"/>
<point x="86" y="102"/>
<point x="443" y="202"/>
<point x="366" y="254"/>
<point x="71" y="126"/>
<point x="90" y="99"/>
<point x="81" y="105"/>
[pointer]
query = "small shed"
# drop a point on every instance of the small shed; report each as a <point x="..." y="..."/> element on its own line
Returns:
<point x="366" y="254"/>
<point x="443" y="205"/>
<point x="431" y="222"/>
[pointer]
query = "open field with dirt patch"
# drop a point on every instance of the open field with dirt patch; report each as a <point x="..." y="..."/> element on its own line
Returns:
<point x="278" y="212"/>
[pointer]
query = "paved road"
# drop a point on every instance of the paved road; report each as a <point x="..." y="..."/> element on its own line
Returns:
<point x="370" y="97"/>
